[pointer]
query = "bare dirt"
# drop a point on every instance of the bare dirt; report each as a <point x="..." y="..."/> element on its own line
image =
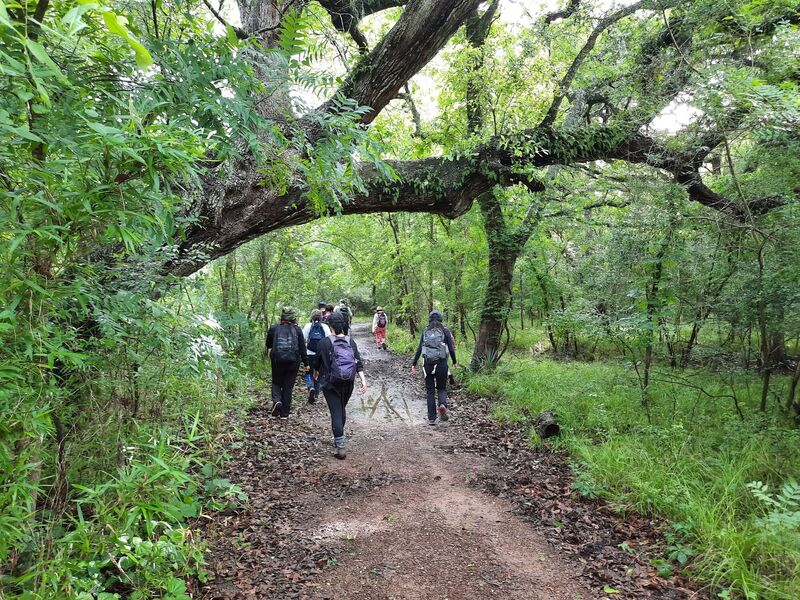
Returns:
<point x="463" y="510"/>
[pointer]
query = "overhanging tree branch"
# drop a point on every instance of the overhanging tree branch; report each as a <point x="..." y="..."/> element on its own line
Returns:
<point x="419" y="34"/>
<point x="604" y="23"/>
<point x="567" y="12"/>
<point x="240" y="33"/>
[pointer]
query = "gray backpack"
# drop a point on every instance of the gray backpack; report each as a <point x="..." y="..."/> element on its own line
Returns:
<point x="434" y="347"/>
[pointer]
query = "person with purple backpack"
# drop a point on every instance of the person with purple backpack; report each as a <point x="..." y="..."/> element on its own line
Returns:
<point x="379" y="323"/>
<point x="340" y="363"/>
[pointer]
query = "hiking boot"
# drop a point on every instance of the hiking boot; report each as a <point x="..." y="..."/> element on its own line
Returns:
<point x="431" y="421"/>
<point x="312" y="396"/>
<point x="340" y="453"/>
<point x="276" y="409"/>
<point x="443" y="412"/>
<point x="384" y="346"/>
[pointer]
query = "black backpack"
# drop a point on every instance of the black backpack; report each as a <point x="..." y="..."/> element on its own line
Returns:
<point x="284" y="344"/>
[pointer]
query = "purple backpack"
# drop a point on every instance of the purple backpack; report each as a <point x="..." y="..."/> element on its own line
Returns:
<point x="343" y="361"/>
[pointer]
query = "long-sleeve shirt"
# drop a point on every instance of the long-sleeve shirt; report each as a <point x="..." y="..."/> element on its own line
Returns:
<point x="302" y="353"/>
<point x="448" y="339"/>
<point x="325" y="350"/>
<point x="375" y="321"/>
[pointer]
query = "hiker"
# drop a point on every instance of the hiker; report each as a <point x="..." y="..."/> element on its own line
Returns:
<point x="379" y="323"/>
<point x="434" y="346"/>
<point x="314" y="332"/>
<point x="288" y="350"/>
<point x="328" y="313"/>
<point x="340" y="362"/>
<point x="344" y="308"/>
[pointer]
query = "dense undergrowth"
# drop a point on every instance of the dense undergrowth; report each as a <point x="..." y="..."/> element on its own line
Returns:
<point x="123" y="522"/>
<point x="727" y="484"/>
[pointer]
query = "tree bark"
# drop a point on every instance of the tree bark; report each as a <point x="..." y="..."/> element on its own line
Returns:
<point x="503" y="248"/>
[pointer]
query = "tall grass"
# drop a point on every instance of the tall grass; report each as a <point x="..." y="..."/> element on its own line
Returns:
<point x="691" y="462"/>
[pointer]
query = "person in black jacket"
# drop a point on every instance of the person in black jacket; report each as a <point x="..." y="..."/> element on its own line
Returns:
<point x="435" y="344"/>
<point x="287" y="350"/>
<point x="337" y="393"/>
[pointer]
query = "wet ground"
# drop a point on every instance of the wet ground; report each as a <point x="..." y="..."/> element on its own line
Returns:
<point x="459" y="511"/>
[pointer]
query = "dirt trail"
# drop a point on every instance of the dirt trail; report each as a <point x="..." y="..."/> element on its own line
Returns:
<point x="400" y="518"/>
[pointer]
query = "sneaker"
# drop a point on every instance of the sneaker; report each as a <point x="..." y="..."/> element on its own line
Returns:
<point x="312" y="396"/>
<point x="340" y="453"/>
<point x="431" y="421"/>
<point x="443" y="412"/>
<point x="276" y="409"/>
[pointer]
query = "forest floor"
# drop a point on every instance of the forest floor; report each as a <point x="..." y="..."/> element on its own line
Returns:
<point x="466" y="509"/>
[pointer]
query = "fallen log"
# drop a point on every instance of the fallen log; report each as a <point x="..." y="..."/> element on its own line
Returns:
<point x="546" y="425"/>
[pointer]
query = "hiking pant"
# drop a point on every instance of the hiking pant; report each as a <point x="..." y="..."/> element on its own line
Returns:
<point x="435" y="385"/>
<point x="380" y="336"/>
<point x="337" y="395"/>
<point x="283" y="378"/>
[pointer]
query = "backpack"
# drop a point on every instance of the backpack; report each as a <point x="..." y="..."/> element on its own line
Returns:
<point x="345" y="310"/>
<point x="381" y="320"/>
<point x="343" y="361"/>
<point x="315" y="334"/>
<point x="284" y="346"/>
<point x="434" y="347"/>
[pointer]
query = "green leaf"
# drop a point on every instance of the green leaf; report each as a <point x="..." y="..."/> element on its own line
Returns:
<point x="74" y="17"/>
<point x="230" y="33"/>
<point x="116" y="24"/>
<point x="4" y="18"/>
<point x="23" y="132"/>
<point x="104" y="129"/>
<point x="40" y="54"/>
<point x="610" y="590"/>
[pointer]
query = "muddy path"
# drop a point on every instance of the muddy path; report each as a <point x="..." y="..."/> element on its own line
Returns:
<point x="458" y="511"/>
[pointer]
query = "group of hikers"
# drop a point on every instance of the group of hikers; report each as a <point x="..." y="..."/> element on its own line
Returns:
<point x="332" y="361"/>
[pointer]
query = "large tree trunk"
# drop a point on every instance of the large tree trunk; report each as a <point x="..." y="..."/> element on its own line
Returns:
<point x="654" y="303"/>
<point x="504" y="248"/>
<point x="404" y="313"/>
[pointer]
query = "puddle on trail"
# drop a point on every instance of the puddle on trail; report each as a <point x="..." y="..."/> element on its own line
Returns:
<point x="385" y="406"/>
<point x="394" y="397"/>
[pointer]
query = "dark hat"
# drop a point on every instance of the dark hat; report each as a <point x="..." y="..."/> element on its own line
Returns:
<point x="322" y="304"/>
<point x="435" y="316"/>
<point x="288" y="313"/>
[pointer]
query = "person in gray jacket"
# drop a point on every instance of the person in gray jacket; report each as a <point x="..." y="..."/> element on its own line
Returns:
<point x="435" y="345"/>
